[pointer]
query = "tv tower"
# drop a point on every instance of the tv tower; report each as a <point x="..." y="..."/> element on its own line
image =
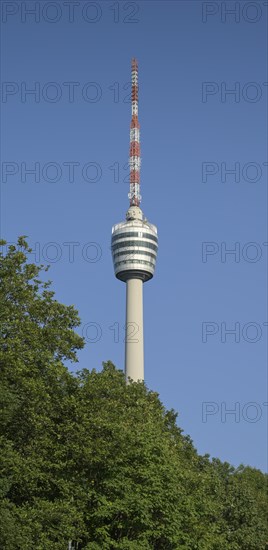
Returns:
<point x="134" y="249"/>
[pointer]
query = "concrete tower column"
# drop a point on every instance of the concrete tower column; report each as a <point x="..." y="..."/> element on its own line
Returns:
<point x="134" y="352"/>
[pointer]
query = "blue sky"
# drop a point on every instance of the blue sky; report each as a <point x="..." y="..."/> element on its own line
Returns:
<point x="74" y="130"/>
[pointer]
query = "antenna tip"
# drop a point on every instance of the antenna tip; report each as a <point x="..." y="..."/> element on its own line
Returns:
<point x="134" y="63"/>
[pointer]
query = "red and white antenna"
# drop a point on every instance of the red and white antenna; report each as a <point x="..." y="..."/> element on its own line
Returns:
<point x="134" y="153"/>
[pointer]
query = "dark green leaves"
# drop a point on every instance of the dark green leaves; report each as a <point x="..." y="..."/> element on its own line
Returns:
<point x="88" y="459"/>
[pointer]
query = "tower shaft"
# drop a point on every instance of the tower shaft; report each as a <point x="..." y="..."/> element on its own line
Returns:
<point x="134" y="359"/>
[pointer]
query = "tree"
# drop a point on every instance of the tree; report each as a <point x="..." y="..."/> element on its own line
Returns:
<point x="36" y="337"/>
<point x="86" y="458"/>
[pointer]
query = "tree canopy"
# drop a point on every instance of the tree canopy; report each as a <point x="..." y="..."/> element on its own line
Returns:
<point x="88" y="459"/>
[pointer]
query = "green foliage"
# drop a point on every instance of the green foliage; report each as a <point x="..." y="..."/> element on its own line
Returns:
<point x="88" y="459"/>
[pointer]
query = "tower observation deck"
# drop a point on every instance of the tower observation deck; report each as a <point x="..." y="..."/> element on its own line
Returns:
<point x="134" y="249"/>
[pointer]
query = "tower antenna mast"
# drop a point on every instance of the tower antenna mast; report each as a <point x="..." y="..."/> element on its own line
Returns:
<point x="134" y="152"/>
